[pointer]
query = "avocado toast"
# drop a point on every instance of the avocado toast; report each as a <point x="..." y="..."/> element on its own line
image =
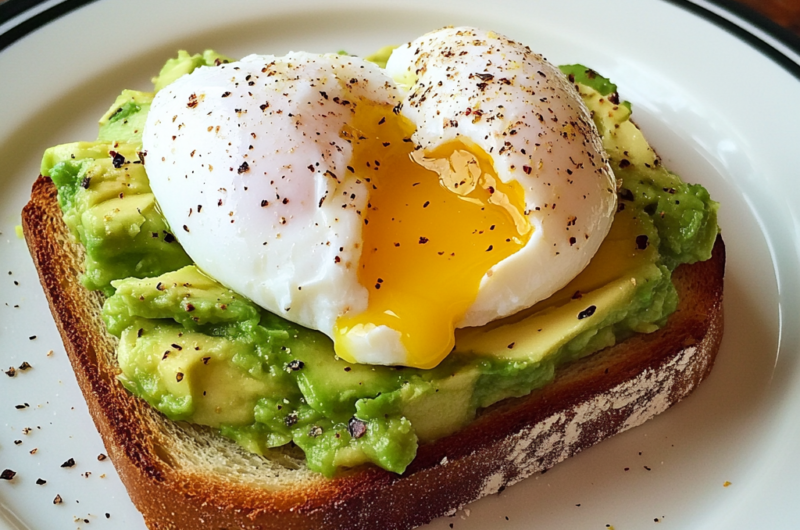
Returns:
<point x="669" y="362"/>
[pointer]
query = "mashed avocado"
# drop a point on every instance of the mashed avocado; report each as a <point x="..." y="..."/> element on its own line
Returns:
<point x="198" y="352"/>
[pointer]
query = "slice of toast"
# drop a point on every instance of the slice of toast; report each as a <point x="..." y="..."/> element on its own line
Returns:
<point x="182" y="476"/>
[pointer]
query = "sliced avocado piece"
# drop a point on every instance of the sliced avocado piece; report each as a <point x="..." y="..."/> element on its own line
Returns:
<point x="625" y="260"/>
<point x="442" y="406"/>
<point x="185" y="64"/>
<point x="72" y="152"/>
<point x="187" y="374"/>
<point x="577" y="73"/>
<point x="381" y="57"/>
<point x="128" y="236"/>
<point x="186" y="296"/>
<point x="332" y="385"/>
<point x="533" y="338"/>
<point x="124" y="120"/>
<point x="684" y="214"/>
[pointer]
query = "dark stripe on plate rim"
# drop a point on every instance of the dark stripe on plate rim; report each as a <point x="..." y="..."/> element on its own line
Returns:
<point x="30" y="25"/>
<point x="12" y="8"/>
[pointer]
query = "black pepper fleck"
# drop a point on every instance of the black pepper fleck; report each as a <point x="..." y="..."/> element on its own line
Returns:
<point x="586" y="313"/>
<point x="118" y="160"/>
<point x="295" y="365"/>
<point x="356" y="428"/>
<point x="315" y="431"/>
<point x="625" y="194"/>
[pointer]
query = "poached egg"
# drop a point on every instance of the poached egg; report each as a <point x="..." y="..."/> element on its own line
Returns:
<point x="384" y="208"/>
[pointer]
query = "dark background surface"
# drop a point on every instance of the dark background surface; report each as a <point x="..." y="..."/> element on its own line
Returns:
<point x="784" y="12"/>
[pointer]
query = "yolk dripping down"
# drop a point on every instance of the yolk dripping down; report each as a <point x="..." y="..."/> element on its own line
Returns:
<point x="436" y="223"/>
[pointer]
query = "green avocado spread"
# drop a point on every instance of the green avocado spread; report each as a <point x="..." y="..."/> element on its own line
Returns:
<point x="198" y="352"/>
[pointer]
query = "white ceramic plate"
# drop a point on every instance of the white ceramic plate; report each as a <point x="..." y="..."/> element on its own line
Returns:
<point x="720" y="111"/>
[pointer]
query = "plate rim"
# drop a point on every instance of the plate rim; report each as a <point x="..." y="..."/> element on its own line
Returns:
<point x="20" y="18"/>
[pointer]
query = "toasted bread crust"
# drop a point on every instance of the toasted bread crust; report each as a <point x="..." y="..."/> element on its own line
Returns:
<point x="592" y="399"/>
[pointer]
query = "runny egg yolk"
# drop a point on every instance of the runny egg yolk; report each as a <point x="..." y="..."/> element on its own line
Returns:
<point x="436" y="223"/>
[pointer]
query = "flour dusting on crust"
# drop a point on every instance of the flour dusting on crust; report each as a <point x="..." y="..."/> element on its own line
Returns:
<point x="566" y="433"/>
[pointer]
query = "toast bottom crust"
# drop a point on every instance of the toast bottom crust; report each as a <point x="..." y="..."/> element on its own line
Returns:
<point x="221" y="486"/>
